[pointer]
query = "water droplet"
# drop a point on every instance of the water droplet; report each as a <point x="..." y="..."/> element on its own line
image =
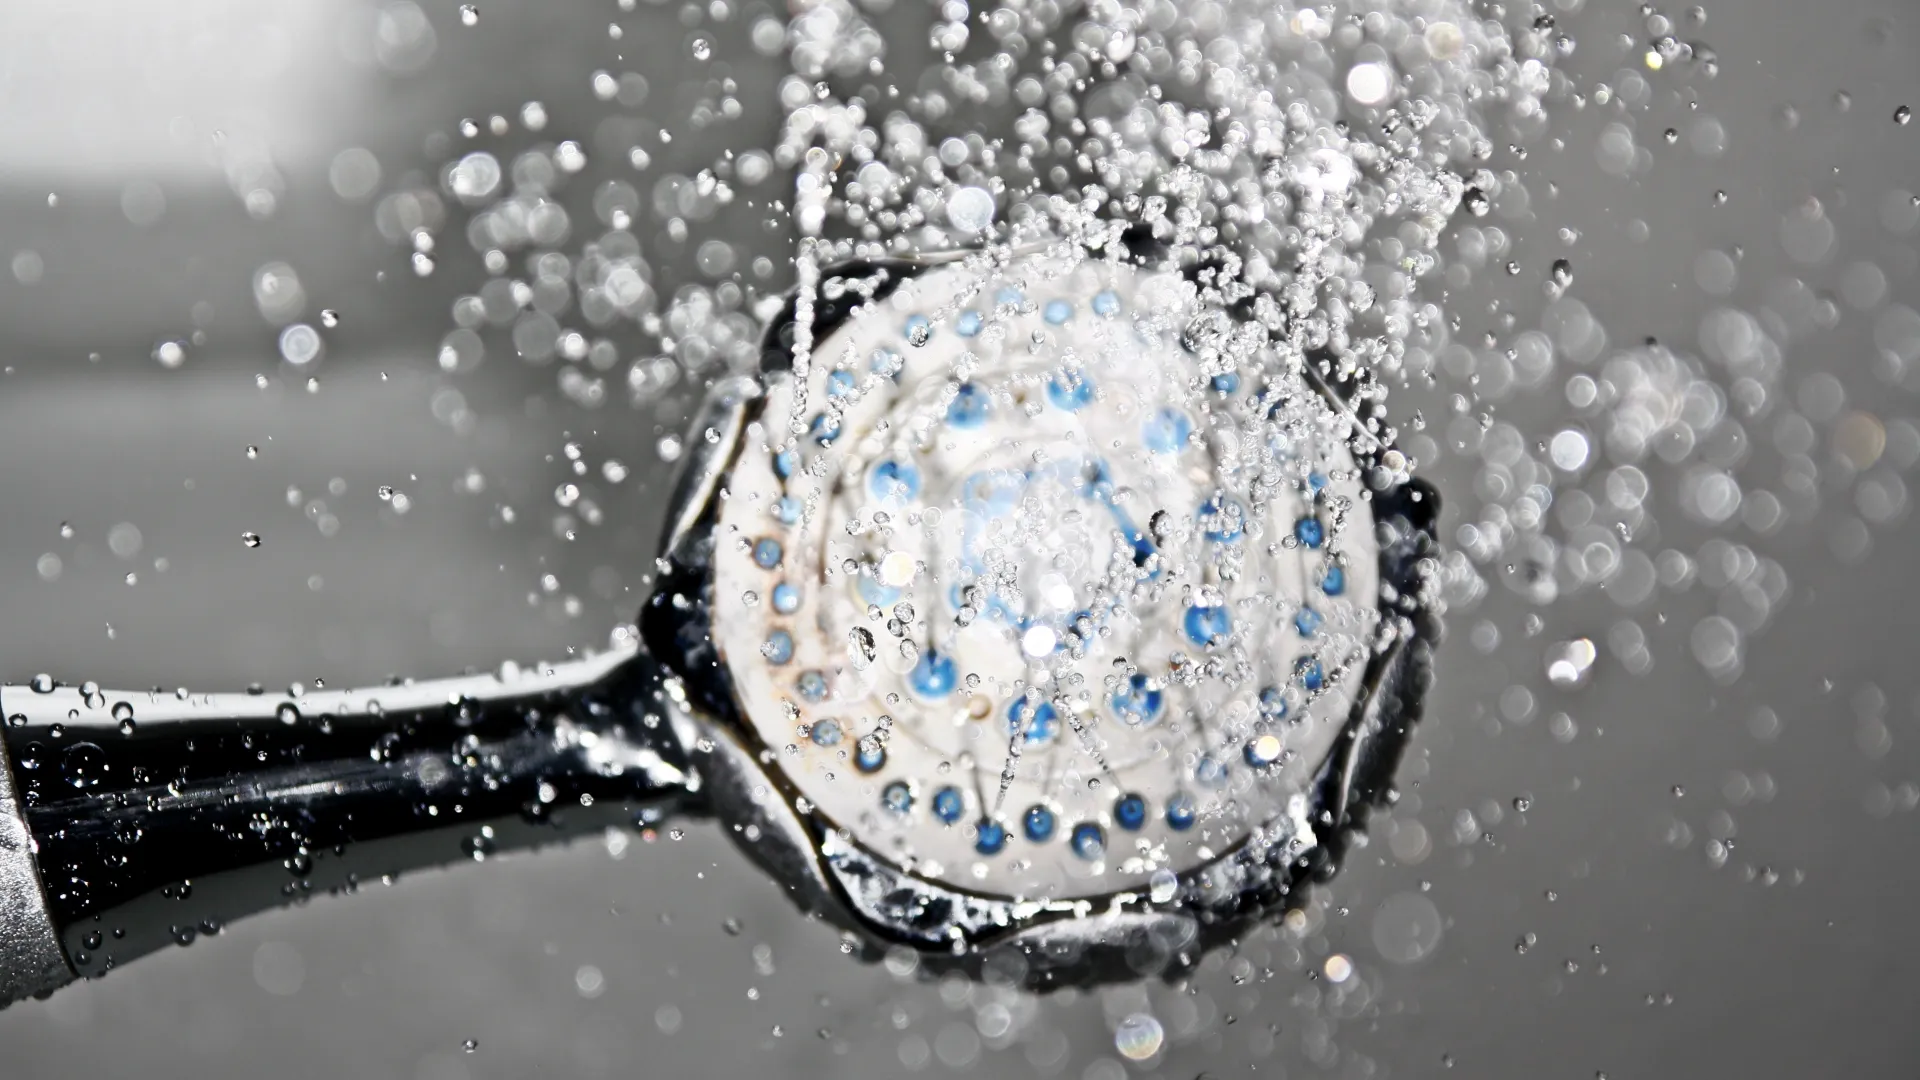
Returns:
<point x="1162" y="886"/>
<point x="300" y="345"/>
<point x="84" y="765"/>
<point x="1139" y="1037"/>
<point x="1370" y="84"/>
<point x="861" y="648"/>
<point x="970" y="209"/>
<point x="589" y="981"/>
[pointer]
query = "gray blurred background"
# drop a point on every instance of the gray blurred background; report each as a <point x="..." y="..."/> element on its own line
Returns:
<point x="1712" y="877"/>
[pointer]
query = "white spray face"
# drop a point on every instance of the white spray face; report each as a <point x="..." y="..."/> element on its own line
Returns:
<point x="1035" y="593"/>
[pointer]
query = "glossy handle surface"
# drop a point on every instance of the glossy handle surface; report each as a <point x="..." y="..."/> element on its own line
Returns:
<point x="157" y="816"/>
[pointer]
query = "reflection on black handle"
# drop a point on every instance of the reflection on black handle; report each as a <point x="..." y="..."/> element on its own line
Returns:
<point x="160" y="816"/>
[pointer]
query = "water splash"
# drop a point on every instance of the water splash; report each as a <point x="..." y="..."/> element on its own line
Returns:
<point x="1352" y="176"/>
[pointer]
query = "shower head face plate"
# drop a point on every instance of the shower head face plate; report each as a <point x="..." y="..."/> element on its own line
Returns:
<point x="1032" y="591"/>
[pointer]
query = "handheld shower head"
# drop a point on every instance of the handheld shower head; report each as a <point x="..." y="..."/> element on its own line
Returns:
<point x="1030" y="609"/>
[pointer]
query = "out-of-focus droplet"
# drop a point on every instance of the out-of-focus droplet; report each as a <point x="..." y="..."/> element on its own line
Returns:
<point x="125" y="540"/>
<point x="1444" y="40"/>
<point x="1569" y="663"/>
<point x="589" y="981"/>
<point x="970" y="209"/>
<point x="1370" y="84"/>
<point x="1139" y="1037"/>
<point x="1406" y="928"/>
<point x="1162" y="886"/>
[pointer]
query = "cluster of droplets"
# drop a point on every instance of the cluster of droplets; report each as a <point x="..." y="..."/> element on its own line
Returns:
<point x="557" y="232"/>
<point x="1317" y="158"/>
<point x="1666" y="483"/>
<point x="1283" y="139"/>
<point x="1660" y="453"/>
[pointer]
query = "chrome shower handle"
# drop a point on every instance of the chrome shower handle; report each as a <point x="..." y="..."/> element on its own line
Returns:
<point x="132" y="821"/>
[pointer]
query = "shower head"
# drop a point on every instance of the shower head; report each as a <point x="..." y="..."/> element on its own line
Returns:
<point x="1032" y="608"/>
